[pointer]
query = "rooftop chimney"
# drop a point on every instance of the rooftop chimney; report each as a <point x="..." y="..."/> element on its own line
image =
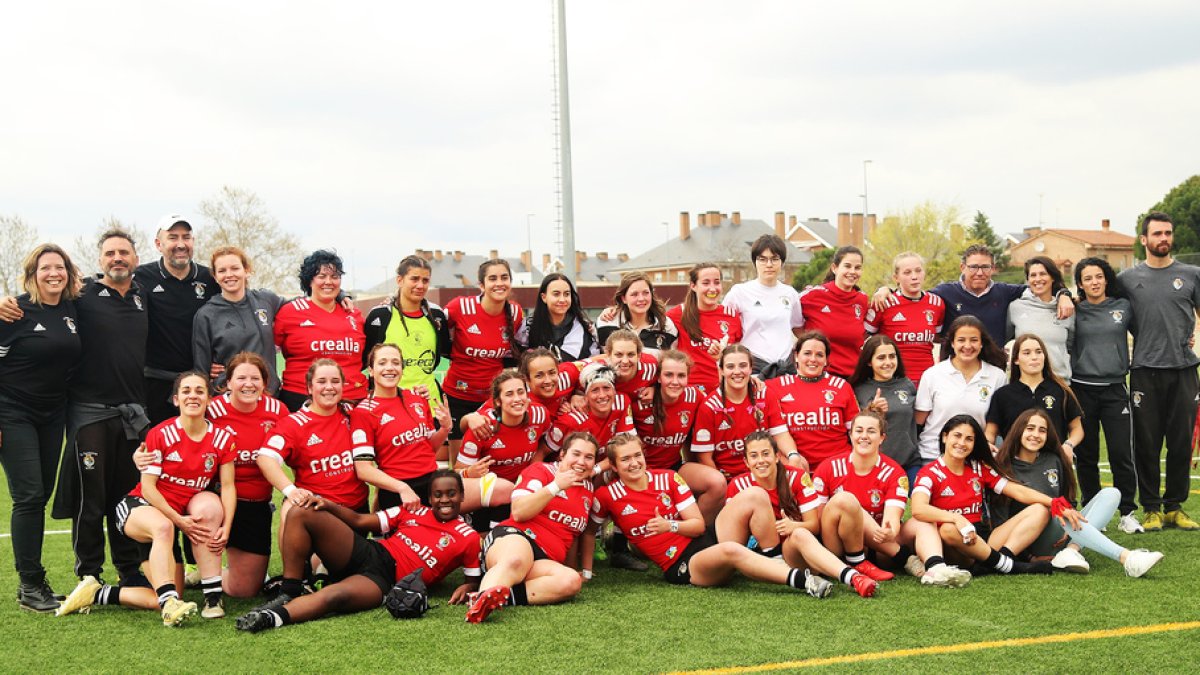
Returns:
<point x="736" y="217"/>
<point x="623" y="257"/>
<point x="580" y="256"/>
<point x="845" y="230"/>
<point x="780" y="228"/>
<point x="870" y="225"/>
<point x="493" y="254"/>
<point x="685" y="225"/>
<point x="1104" y="224"/>
<point x="437" y="255"/>
<point x="527" y="260"/>
<point x="458" y="256"/>
<point x="714" y="219"/>
<point x="791" y="223"/>
<point x="602" y="256"/>
<point x="545" y="261"/>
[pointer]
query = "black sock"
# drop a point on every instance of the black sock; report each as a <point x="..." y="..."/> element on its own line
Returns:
<point x="618" y="544"/>
<point x="284" y="617"/>
<point x="293" y="588"/>
<point x="934" y="560"/>
<point x="847" y="574"/>
<point x="166" y="592"/>
<point x="901" y="557"/>
<point x="772" y="552"/>
<point x="855" y="557"/>
<point x="518" y="596"/>
<point x="108" y="595"/>
<point x="1007" y="551"/>
<point x="795" y="578"/>
<point x="999" y="562"/>
<point x="211" y="588"/>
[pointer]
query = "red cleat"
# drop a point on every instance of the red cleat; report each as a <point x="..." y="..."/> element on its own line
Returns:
<point x="484" y="603"/>
<point x="872" y="570"/>
<point x="863" y="585"/>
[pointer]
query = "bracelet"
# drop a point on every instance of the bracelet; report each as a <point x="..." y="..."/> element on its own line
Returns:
<point x="1058" y="505"/>
<point x="554" y="489"/>
<point x="1070" y="443"/>
<point x="287" y="491"/>
<point x="793" y="454"/>
<point x="586" y="574"/>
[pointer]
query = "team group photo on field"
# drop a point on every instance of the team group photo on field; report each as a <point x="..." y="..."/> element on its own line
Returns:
<point x="749" y="441"/>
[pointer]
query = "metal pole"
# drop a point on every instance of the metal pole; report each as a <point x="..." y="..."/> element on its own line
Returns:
<point x="866" y="211"/>
<point x="529" y="236"/>
<point x="570" y="260"/>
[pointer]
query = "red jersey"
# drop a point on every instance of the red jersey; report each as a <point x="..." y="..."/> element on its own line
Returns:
<point x="561" y="520"/>
<point x="714" y="325"/>
<point x="839" y="315"/>
<point x="249" y="431"/>
<point x="666" y="495"/>
<point x="394" y="433"/>
<point x="305" y="333"/>
<point x="185" y="467"/>
<point x="959" y="494"/>
<point x="479" y="345"/>
<point x="663" y="448"/>
<point x="511" y="449"/>
<point x="319" y="450"/>
<point x="884" y="485"/>
<point x="914" y="325"/>
<point x="417" y="539"/>
<point x="802" y="490"/>
<point x="722" y="428"/>
<point x="816" y="414"/>
<point x="618" y="421"/>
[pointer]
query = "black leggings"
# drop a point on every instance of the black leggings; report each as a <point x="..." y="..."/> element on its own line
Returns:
<point x="30" y="443"/>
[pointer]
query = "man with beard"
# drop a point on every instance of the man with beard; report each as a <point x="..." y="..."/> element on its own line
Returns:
<point x="175" y="288"/>
<point x="1163" y="383"/>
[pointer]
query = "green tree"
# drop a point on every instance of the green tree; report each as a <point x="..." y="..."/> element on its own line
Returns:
<point x="17" y="238"/>
<point x="238" y="217"/>
<point x="934" y="231"/>
<point x="981" y="231"/>
<point x="814" y="272"/>
<point x="1182" y="203"/>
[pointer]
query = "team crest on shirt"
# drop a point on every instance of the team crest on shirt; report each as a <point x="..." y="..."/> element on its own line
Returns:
<point x="199" y="288"/>
<point x="1178" y="283"/>
<point x="958" y="306"/>
<point x="587" y="503"/>
<point x="210" y="461"/>
<point x="530" y="533"/>
<point x="902" y="396"/>
<point x="724" y="326"/>
<point x="684" y="418"/>
<point x="460" y="385"/>
<point x="857" y="312"/>
<point x="806" y="480"/>
<point x="417" y="408"/>
<point x="976" y="486"/>
<point x="1048" y="401"/>
<point x="876" y="497"/>
<point x="1052" y="477"/>
<point x="444" y="541"/>
<point x="261" y="315"/>
<point x="671" y="552"/>
<point x="1137" y="398"/>
<point x="903" y="481"/>
<point x="89" y="460"/>
<point x="786" y="302"/>
<point x="929" y="316"/>
<point x="70" y="324"/>
<point x="1117" y="315"/>
<point x="984" y="392"/>
<point x="818" y="485"/>
<point x="531" y="434"/>
<point x="137" y="301"/>
<point x="829" y="395"/>
<point x="665" y="499"/>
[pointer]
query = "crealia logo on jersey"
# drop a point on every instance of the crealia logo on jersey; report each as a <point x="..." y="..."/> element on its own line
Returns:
<point x="663" y="441"/>
<point x="332" y="463"/>
<point x="487" y="353"/>
<point x="573" y="522"/>
<point x="423" y="552"/>
<point x="340" y="346"/>
<point x="821" y="417"/>
<point x="915" y="336"/>
<point x="417" y="433"/>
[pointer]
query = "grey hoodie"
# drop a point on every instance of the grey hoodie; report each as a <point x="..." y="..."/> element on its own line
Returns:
<point x="1101" y="353"/>
<point x="221" y="329"/>
<point x="1028" y="314"/>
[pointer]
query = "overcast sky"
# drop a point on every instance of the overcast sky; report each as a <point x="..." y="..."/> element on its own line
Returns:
<point x="377" y="128"/>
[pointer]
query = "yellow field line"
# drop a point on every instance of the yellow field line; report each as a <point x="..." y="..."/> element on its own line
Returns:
<point x="1125" y="631"/>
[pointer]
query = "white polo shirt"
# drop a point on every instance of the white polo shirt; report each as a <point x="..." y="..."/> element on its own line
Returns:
<point x="944" y="393"/>
<point x="769" y="313"/>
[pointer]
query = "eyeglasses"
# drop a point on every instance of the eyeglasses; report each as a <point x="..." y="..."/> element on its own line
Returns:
<point x="979" y="268"/>
<point x="772" y="260"/>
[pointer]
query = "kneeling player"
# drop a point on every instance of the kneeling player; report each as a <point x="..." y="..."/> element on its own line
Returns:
<point x="655" y="508"/>
<point x="434" y="539"/>
<point x="524" y="555"/>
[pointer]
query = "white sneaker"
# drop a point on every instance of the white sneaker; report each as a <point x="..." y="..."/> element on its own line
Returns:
<point x="1129" y="524"/>
<point x="1139" y="561"/>
<point x="817" y="586"/>
<point x="946" y="575"/>
<point x="1070" y="560"/>
<point x="914" y="566"/>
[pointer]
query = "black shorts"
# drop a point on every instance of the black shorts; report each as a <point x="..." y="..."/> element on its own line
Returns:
<point x="501" y="531"/>
<point x="459" y="408"/>
<point x="291" y="400"/>
<point x="251" y="528"/>
<point x="370" y="559"/>
<point x="679" y="572"/>
<point x="420" y="485"/>
<point x="126" y="507"/>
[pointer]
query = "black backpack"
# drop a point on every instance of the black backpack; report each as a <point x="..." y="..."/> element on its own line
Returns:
<point x="408" y="599"/>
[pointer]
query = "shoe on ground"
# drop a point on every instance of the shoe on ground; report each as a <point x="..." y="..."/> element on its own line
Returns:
<point x="1129" y="524"/>
<point x="1139" y="561"/>
<point x="816" y="585"/>
<point x="1070" y="560"/>
<point x="274" y="603"/>
<point x="176" y="611"/>
<point x="255" y="621"/>
<point x="191" y="576"/>
<point x="81" y="599"/>
<point x="863" y="585"/>
<point x="914" y="566"/>
<point x="625" y="561"/>
<point x="37" y="598"/>
<point x="213" y="609"/>
<point x="873" y="571"/>
<point x="948" y="576"/>
<point x="1152" y="521"/>
<point x="1179" y="520"/>
<point x="484" y="603"/>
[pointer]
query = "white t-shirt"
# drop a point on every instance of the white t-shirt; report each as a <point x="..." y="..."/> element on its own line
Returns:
<point x="769" y="313"/>
<point x="944" y="393"/>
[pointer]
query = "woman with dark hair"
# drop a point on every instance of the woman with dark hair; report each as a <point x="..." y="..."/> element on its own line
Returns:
<point x="880" y="385"/>
<point x="409" y="321"/>
<point x="558" y="322"/>
<point x="637" y="308"/>
<point x="239" y="319"/>
<point x="1099" y="366"/>
<point x="773" y="508"/>
<point x="964" y="382"/>
<point x="815" y="407"/>
<point x="39" y="352"/>
<point x="706" y="327"/>
<point x="1036" y="312"/>
<point x="317" y="326"/>
<point x="949" y="493"/>
<point x="911" y="316"/>
<point x="516" y="427"/>
<point x="769" y="307"/>
<point x="482" y="331"/>
<point x="636" y="370"/>
<point x="1035" y="385"/>
<point x="837" y="309"/>
<point x="1031" y="453"/>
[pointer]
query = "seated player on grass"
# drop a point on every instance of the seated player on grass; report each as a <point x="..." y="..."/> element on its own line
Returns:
<point x="656" y="509"/>
<point x="434" y="539"/>
<point x="1031" y="452"/>
<point x="523" y="556"/>
<point x="776" y="505"/>
<point x="188" y="452"/>
<point x="949" y="495"/>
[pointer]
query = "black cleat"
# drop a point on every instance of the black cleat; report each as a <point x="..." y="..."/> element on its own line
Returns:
<point x="255" y="621"/>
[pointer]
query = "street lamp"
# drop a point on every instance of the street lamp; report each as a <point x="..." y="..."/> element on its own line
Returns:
<point x="529" y="236"/>
<point x="866" y="210"/>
